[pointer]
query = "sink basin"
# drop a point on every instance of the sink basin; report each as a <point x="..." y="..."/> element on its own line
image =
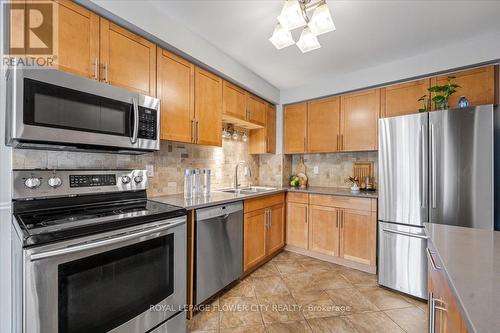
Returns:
<point x="248" y="190"/>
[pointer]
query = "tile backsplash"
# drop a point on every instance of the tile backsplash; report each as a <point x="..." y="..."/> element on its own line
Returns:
<point x="334" y="168"/>
<point x="169" y="163"/>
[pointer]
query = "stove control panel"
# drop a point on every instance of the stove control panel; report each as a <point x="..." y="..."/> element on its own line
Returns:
<point x="91" y="180"/>
<point x="37" y="184"/>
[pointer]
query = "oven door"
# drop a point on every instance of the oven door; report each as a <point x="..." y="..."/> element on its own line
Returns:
<point x="57" y="108"/>
<point x="128" y="281"/>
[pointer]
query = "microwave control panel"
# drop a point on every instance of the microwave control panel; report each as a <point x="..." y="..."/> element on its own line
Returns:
<point x="148" y="123"/>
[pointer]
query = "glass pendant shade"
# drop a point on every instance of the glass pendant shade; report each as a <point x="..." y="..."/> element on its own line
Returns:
<point x="308" y="41"/>
<point x="281" y="37"/>
<point x="291" y="16"/>
<point x="321" y="22"/>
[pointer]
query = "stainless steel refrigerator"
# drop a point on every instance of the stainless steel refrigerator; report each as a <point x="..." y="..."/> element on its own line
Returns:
<point x="434" y="167"/>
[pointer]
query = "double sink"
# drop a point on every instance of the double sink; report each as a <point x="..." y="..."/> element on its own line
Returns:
<point x="248" y="190"/>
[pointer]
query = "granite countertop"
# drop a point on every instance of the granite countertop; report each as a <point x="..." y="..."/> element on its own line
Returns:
<point x="471" y="261"/>
<point x="335" y="191"/>
<point x="218" y="197"/>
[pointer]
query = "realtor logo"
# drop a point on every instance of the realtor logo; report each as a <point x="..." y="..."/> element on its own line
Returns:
<point x="31" y="28"/>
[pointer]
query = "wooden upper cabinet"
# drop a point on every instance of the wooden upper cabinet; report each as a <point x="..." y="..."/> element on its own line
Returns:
<point x="295" y="128"/>
<point x="323" y="125"/>
<point x="233" y="101"/>
<point x="254" y="231"/>
<point x="402" y="99"/>
<point x="127" y="60"/>
<point x="175" y="84"/>
<point x="256" y="108"/>
<point x="78" y="40"/>
<point x="297" y="224"/>
<point x="208" y="108"/>
<point x="359" y="120"/>
<point x="263" y="141"/>
<point x="477" y="85"/>
<point x="276" y="229"/>
<point x="324" y="230"/>
<point x="359" y="236"/>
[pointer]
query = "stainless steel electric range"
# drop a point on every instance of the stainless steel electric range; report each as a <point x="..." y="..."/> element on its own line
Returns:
<point x="95" y="255"/>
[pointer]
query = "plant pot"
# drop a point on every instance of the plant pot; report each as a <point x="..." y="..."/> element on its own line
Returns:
<point x="444" y="105"/>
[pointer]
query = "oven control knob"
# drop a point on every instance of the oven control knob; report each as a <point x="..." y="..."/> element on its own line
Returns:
<point x="137" y="179"/>
<point x="32" y="182"/>
<point x="55" y="182"/>
<point x="125" y="179"/>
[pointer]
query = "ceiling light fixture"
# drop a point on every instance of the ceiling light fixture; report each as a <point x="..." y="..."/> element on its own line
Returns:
<point x="294" y="15"/>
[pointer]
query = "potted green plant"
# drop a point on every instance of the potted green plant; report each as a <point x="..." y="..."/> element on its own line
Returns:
<point x="441" y="95"/>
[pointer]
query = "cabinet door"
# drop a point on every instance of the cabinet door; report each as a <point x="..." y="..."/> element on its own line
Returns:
<point x="297" y="224"/>
<point x="175" y="83"/>
<point x="208" y="108"/>
<point x="358" y="236"/>
<point x="359" y="120"/>
<point x="295" y="128"/>
<point x="78" y="40"/>
<point x="271" y="129"/>
<point x="254" y="231"/>
<point x="127" y="60"/>
<point x="402" y="99"/>
<point x="323" y="125"/>
<point x="276" y="228"/>
<point x="477" y="85"/>
<point x="324" y="230"/>
<point x="263" y="141"/>
<point x="233" y="101"/>
<point x="256" y="110"/>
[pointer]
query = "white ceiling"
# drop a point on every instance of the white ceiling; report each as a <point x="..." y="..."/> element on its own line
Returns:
<point x="369" y="33"/>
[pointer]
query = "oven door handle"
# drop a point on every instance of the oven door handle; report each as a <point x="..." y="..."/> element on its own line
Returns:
<point x="135" y="132"/>
<point x="103" y="241"/>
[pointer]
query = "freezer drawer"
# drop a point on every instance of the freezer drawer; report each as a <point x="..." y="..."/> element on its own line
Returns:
<point x="402" y="259"/>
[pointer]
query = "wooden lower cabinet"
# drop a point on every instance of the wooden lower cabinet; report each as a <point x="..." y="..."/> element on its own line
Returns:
<point x="334" y="226"/>
<point x="276" y="228"/>
<point x="444" y="313"/>
<point x="263" y="229"/>
<point x="254" y="231"/>
<point x="324" y="230"/>
<point x="358" y="236"/>
<point x="297" y="227"/>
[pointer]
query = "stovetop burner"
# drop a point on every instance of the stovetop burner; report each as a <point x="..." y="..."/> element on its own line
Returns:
<point x="57" y="221"/>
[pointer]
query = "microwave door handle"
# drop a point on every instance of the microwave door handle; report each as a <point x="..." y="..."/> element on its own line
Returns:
<point x="135" y="131"/>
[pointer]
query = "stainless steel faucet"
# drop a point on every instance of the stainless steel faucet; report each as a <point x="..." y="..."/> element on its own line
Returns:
<point x="236" y="173"/>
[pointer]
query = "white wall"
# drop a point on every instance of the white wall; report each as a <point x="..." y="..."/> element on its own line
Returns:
<point x="145" y="16"/>
<point x="5" y="204"/>
<point x="467" y="52"/>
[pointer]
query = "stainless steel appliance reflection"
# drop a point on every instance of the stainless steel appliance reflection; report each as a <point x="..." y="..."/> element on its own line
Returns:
<point x="434" y="167"/>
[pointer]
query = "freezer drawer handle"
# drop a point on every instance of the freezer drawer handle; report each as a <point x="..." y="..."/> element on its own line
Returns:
<point x="406" y="233"/>
<point x="431" y="259"/>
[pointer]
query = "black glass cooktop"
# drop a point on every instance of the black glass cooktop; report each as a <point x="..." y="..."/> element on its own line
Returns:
<point x="52" y="220"/>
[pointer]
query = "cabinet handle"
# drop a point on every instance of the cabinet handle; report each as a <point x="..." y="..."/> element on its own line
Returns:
<point x="337" y="220"/>
<point x="431" y="313"/>
<point x="270" y="218"/>
<point x="342" y="220"/>
<point x="267" y="143"/>
<point x="192" y="131"/>
<point x="106" y="73"/>
<point x="341" y="141"/>
<point x="431" y="259"/>
<point x="338" y="144"/>
<point x="305" y="144"/>
<point x="196" y="130"/>
<point x="96" y="69"/>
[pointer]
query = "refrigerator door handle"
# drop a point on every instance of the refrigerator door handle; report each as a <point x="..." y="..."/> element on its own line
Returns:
<point x="423" y="170"/>
<point x="406" y="233"/>
<point x="433" y="166"/>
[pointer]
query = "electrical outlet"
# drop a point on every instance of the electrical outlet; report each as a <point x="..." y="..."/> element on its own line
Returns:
<point x="150" y="170"/>
<point x="316" y="170"/>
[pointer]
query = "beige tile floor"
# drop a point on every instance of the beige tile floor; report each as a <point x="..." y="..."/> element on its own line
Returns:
<point x="294" y="293"/>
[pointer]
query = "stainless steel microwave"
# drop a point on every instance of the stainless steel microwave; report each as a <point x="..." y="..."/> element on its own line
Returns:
<point x="51" y="109"/>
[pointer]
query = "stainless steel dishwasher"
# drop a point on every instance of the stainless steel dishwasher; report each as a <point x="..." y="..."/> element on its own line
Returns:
<point x="219" y="248"/>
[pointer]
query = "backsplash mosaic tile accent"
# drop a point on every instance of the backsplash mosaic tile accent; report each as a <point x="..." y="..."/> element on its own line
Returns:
<point x="274" y="170"/>
<point x="169" y="163"/>
<point x="334" y="168"/>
